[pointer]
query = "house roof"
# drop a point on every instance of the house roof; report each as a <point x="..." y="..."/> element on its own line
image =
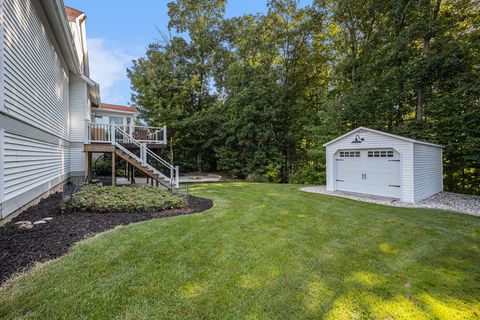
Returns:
<point x="396" y="136"/>
<point x="72" y="13"/>
<point x="117" y="107"/>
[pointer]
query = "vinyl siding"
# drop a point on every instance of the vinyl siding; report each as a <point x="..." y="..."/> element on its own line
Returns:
<point x="29" y="163"/>
<point x="36" y="83"/>
<point x="77" y="160"/>
<point x="78" y="108"/>
<point x="428" y="176"/>
<point x="375" y="140"/>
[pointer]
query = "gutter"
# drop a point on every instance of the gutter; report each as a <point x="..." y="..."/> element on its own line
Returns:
<point x="55" y="11"/>
<point x="57" y="17"/>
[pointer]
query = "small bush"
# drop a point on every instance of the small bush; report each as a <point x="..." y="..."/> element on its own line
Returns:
<point x="273" y="172"/>
<point x="101" y="199"/>
<point x="308" y="175"/>
<point x="255" y="177"/>
<point x="103" y="167"/>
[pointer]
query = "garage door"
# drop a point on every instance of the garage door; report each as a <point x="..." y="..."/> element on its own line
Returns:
<point x="375" y="171"/>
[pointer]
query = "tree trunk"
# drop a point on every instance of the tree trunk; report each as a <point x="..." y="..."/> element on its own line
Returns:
<point x="421" y="89"/>
<point x="419" y="110"/>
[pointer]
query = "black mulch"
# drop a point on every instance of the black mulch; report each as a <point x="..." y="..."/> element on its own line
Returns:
<point x="20" y="249"/>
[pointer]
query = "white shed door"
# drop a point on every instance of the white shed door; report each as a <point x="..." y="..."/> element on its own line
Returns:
<point x="375" y="171"/>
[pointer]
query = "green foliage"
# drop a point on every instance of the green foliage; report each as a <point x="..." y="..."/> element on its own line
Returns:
<point x="103" y="167"/>
<point x="254" y="177"/>
<point x="98" y="199"/>
<point x="251" y="93"/>
<point x="307" y="175"/>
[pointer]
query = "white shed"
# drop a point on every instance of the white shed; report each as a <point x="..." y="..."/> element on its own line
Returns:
<point x="374" y="162"/>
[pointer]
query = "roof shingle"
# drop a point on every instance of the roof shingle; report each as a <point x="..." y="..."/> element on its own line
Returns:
<point x="117" y="107"/>
<point x="72" y="13"/>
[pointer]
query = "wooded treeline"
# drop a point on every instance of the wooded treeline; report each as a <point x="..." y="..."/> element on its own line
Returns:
<point x="258" y="95"/>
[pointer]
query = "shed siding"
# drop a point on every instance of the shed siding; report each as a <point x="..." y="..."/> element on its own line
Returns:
<point x="428" y="176"/>
<point x="36" y="83"/>
<point x="30" y="163"/>
<point x="375" y="140"/>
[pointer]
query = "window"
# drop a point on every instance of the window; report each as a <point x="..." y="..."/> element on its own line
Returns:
<point x="101" y="120"/>
<point x="117" y="120"/>
<point x="380" y="154"/>
<point x="349" y="154"/>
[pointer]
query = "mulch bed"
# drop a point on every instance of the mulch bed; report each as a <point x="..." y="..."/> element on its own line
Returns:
<point x="20" y="248"/>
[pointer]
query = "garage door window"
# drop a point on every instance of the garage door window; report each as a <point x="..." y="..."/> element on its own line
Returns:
<point x="380" y="154"/>
<point x="349" y="154"/>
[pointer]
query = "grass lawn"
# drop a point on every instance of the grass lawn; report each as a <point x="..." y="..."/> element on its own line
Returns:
<point x="265" y="252"/>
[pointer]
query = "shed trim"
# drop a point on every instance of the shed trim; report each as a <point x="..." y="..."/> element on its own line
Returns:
<point x="385" y="134"/>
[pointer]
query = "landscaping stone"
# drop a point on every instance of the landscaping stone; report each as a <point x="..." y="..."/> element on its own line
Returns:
<point x="47" y="219"/>
<point x="23" y="222"/>
<point x="40" y="222"/>
<point x="450" y="201"/>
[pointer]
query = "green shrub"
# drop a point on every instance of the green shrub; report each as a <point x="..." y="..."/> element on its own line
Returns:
<point x="308" y="175"/>
<point x="273" y="172"/>
<point x="255" y="177"/>
<point x="101" y="199"/>
<point x="103" y="167"/>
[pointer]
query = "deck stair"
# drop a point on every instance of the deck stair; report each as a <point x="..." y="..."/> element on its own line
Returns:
<point x="146" y="169"/>
<point x="136" y="152"/>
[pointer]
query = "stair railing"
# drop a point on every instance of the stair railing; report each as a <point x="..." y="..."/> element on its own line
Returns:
<point x="173" y="171"/>
<point x="120" y="136"/>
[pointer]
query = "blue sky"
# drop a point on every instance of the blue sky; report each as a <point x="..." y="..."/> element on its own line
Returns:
<point x="119" y="31"/>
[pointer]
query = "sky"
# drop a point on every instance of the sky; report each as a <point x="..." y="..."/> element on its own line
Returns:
<point x="119" y="31"/>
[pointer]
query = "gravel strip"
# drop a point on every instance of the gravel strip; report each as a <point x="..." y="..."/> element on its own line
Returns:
<point x="450" y="201"/>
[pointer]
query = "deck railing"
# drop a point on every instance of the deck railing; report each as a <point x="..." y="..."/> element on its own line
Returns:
<point x="103" y="133"/>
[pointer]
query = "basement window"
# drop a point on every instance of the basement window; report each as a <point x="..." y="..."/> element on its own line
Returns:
<point x="380" y="154"/>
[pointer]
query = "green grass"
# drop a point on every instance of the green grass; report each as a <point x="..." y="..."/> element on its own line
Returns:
<point x="92" y="198"/>
<point x="265" y="252"/>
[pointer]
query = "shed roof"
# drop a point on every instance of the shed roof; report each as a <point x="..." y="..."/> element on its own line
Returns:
<point x="396" y="136"/>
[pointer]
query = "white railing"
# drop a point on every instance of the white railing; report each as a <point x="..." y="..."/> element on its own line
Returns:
<point x="149" y="134"/>
<point x="98" y="133"/>
<point x="124" y="141"/>
<point x="102" y="133"/>
<point x="168" y="169"/>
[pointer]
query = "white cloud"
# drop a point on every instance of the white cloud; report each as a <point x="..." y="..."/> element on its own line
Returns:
<point x="108" y="67"/>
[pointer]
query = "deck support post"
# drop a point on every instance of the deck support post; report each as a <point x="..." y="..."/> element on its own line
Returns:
<point x="86" y="167"/>
<point x="177" y="177"/>
<point x="113" y="169"/>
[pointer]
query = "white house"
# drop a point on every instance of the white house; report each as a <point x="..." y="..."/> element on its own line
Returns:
<point x="374" y="162"/>
<point x="47" y="128"/>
